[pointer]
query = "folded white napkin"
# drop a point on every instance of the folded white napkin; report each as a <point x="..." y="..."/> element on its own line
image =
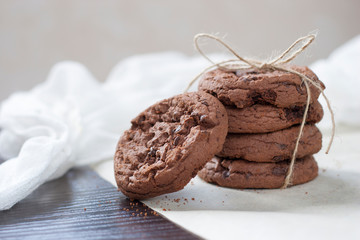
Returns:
<point x="57" y="125"/>
<point x="341" y="75"/>
<point x="71" y="119"/>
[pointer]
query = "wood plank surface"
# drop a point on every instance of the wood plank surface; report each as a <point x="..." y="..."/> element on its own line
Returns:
<point x="81" y="205"/>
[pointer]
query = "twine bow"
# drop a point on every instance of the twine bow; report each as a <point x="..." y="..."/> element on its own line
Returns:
<point x="278" y="63"/>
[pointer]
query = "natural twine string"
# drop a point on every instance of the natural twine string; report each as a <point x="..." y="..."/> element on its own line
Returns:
<point x="278" y="63"/>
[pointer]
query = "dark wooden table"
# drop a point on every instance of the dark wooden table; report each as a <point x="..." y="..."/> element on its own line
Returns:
<point x="81" y="205"/>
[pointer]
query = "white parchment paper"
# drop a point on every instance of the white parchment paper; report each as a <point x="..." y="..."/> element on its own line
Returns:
<point x="326" y="208"/>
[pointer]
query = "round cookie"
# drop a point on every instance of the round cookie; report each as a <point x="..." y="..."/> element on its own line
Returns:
<point x="246" y="87"/>
<point x="243" y="174"/>
<point x="267" y="118"/>
<point x="168" y="144"/>
<point x="272" y="147"/>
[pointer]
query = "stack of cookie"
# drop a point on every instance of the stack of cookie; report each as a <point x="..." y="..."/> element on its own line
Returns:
<point x="265" y="110"/>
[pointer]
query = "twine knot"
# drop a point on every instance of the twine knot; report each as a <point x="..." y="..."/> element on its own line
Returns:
<point x="278" y="63"/>
<point x="264" y="66"/>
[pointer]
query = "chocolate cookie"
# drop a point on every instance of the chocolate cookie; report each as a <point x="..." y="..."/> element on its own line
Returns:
<point x="168" y="144"/>
<point x="272" y="147"/>
<point x="247" y="87"/>
<point x="243" y="174"/>
<point x="267" y="118"/>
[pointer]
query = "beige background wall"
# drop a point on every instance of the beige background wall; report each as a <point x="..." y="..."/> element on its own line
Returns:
<point x="35" y="34"/>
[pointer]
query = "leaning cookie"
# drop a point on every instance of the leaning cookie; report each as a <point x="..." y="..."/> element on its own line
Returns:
<point x="243" y="174"/>
<point x="272" y="147"/>
<point x="246" y="87"/>
<point x="168" y="144"/>
<point x="268" y="118"/>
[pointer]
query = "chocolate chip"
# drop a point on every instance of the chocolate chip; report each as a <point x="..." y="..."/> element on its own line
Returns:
<point x="177" y="129"/>
<point x="204" y="102"/>
<point x="176" y="141"/>
<point x="278" y="158"/>
<point x="226" y="174"/>
<point x="294" y="113"/>
<point x="152" y="152"/>
<point x="279" y="171"/>
<point x="269" y="96"/>
<point x="206" y="122"/>
<point x="195" y="117"/>
<point x="130" y="136"/>
<point x="281" y="146"/>
<point x="141" y="119"/>
<point x="202" y="117"/>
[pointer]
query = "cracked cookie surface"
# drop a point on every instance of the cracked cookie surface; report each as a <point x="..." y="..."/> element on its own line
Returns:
<point x="244" y="174"/>
<point x="274" y="146"/>
<point x="267" y="118"/>
<point x="246" y="87"/>
<point x="168" y="144"/>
